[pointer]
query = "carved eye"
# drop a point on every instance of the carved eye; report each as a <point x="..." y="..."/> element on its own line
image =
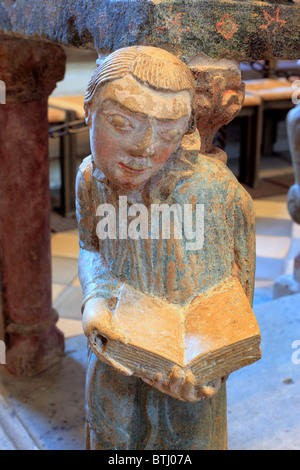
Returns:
<point x="170" y="134"/>
<point x="118" y="121"/>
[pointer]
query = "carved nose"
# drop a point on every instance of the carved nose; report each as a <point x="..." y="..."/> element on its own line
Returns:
<point x="147" y="146"/>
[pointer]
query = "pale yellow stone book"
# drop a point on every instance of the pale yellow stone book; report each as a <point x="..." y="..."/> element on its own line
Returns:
<point x="214" y="335"/>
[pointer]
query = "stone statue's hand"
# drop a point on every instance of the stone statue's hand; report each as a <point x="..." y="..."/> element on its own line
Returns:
<point x="97" y="321"/>
<point x="181" y="385"/>
<point x="293" y="200"/>
<point x="100" y="326"/>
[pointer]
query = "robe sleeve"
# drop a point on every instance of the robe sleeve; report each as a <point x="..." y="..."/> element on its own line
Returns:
<point x="94" y="275"/>
<point x="244" y="241"/>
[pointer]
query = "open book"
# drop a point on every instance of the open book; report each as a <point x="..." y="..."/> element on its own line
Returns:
<point x="214" y="335"/>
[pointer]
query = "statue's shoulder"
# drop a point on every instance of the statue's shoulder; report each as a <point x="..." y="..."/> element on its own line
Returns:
<point x="86" y="168"/>
<point x="212" y="178"/>
<point x="216" y="173"/>
<point x="84" y="174"/>
<point x="84" y="179"/>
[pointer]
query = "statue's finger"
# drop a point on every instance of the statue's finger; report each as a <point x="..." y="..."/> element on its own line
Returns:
<point x="158" y="377"/>
<point x="188" y="384"/>
<point x="189" y="388"/>
<point x="175" y="379"/>
<point x="210" y="389"/>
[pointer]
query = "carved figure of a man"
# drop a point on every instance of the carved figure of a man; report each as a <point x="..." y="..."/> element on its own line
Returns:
<point x="139" y="105"/>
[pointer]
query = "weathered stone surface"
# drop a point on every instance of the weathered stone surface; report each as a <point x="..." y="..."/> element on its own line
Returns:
<point x="219" y="98"/>
<point x="54" y="418"/>
<point x="220" y="28"/>
<point x="34" y="68"/>
<point x="139" y="288"/>
<point x="33" y="341"/>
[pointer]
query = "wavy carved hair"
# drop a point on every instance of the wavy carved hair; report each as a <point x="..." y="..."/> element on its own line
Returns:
<point x="151" y="66"/>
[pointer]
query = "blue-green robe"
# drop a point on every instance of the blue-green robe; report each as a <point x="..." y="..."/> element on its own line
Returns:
<point x="124" y="412"/>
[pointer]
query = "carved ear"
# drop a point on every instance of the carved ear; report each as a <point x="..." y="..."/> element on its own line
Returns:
<point x="88" y="116"/>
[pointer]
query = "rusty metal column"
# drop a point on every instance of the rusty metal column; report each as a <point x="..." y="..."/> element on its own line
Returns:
<point x="30" y="70"/>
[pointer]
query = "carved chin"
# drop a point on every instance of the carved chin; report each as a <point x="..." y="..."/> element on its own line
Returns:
<point x="293" y="199"/>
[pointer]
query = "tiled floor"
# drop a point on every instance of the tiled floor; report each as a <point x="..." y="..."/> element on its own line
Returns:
<point x="278" y="242"/>
<point x="66" y="292"/>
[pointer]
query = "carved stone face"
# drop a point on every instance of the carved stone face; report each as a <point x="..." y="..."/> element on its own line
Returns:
<point x="134" y="130"/>
<point x="217" y="102"/>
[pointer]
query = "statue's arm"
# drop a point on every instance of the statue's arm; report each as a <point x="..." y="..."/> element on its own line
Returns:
<point x="244" y="242"/>
<point x="94" y="275"/>
<point x="94" y="278"/>
<point x="100" y="288"/>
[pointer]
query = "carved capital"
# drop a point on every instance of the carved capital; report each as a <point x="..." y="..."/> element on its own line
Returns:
<point x="30" y="69"/>
<point x="219" y="98"/>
